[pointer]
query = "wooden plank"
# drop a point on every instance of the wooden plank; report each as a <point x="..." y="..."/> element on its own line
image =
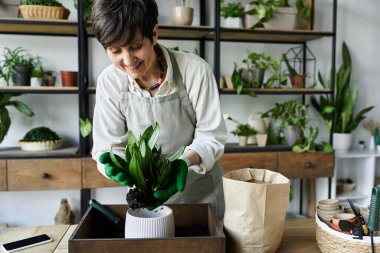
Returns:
<point x="44" y="174"/>
<point x="18" y="233"/>
<point x="3" y="175"/>
<point x="92" y="178"/>
<point x="310" y="182"/>
<point x="63" y="246"/>
<point x="306" y="165"/>
<point x="234" y="161"/>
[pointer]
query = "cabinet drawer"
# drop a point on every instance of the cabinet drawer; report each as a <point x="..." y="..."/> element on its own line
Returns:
<point x="306" y="165"/>
<point x="234" y="161"/>
<point x="92" y="178"/>
<point x="46" y="174"/>
<point x="3" y="175"/>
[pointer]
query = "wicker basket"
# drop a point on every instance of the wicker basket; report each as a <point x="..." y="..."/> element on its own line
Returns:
<point x="43" y="12"/>
<point x="40" y="145"/>
<point x="331" y="241"/>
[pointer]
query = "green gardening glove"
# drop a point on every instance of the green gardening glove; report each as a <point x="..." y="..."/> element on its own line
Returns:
<point x="113" y="171"/>
<point x="177" y="184"/>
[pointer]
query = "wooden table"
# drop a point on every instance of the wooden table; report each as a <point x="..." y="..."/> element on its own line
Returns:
<point x="299" y="236"/>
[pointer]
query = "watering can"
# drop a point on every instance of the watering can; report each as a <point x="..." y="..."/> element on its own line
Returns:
<point x="258" y="123"/>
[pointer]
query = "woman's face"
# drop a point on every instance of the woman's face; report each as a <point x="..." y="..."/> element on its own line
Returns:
<point x="137" y="58"/>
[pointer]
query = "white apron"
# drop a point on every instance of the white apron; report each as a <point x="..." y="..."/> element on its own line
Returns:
<point x="176" y="117"/>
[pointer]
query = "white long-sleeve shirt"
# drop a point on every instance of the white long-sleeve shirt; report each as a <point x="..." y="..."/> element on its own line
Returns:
<point x="110" y="126"/>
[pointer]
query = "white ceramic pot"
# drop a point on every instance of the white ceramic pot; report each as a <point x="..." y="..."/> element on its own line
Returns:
<point x="243" y="141"/>
<point x="249" y="20"/>
<point x="231" y="22"/>
<point x="261" y="140"/>
<point x="284" y="18"/>
<point x="291" y="134"/>
<point x="141" y="223"/>
<point x="258" y="124"/>
<point x="341" y="141"/>
<point x="182" y="15"/>
<point x="36" y="81"/>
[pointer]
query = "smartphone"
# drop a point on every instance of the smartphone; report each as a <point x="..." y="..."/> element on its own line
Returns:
<point x="26" y="243"/>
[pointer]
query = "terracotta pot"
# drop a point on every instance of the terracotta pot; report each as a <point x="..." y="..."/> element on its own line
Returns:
<point x="298" y="81"/>
<point x="69" y="78"/>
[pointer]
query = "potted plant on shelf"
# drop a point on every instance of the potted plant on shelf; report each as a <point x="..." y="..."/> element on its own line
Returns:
<point x="5" y="120"/>
<point x="304" y="14"/>
<point x="272" y="14"/>
<point x="182" y="14"/>
<point x="43" y="9"/>
<point x="37" y="77"/>
<point x="345" y="121"/>
<point x="41" y="139"/>
<point x="297" y="79"/>
<point x="232" y="14"/>
<point x="243" y="131"/>
<point x="293" y="117"/>
<point x="17" y="66"/>
<point x="149" y="170"/>
<point x="252" y="76"/>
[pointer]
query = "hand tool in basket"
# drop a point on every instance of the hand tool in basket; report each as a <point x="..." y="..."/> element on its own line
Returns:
<point x="373" y="218"/>
<point x="358" y="215"/>
<point x="116" y="220"/>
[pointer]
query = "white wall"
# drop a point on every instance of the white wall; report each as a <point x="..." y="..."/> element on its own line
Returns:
<point x="357" y="25"/>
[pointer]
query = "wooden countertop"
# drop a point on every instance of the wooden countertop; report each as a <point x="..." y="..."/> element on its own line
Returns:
<point x="299" y="236"/>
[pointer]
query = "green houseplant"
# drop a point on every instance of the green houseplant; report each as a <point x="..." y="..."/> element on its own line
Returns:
<point x="87" y="8"/>
<point x="252" y="76"/>
<point x="40" y="139"/>
<point x="232" y="14"/>
<point x="345" y="121"/>
<point x="293" y="118"/>
<point x="17" y="65"/>
<point x="243" y="131"/>
<point x="297" y="79"/>
<point x="43" y="9"/>
<point x="5" y="120"/>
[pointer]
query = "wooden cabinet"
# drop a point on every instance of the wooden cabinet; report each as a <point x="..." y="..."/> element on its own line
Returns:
<point x="3" y="175"/>
<point x="92" y="178"/>
<point x="308" y="165"/>
<point x="44" y="174"/>
<point x="289" y="164"/>
<point x="234" y="161"/>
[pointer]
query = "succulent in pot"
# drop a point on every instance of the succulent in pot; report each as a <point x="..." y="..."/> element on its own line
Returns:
<point x="41" y="139"/>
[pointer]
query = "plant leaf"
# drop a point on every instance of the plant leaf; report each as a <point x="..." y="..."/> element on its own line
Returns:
<point x="85" y="127"/>
<point x="154" y="137"/>
<point x="177" y="154"/>
<point x="21" y="107"/>
<point x="5" y="122"/>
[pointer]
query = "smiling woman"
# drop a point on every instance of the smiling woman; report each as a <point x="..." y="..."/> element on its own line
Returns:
<point x="148" y="83"/>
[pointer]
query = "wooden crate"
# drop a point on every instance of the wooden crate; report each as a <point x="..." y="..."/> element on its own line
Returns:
<point x="95" y="233"/>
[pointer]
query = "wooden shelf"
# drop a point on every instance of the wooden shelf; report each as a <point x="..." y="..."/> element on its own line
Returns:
<point x="38" y="27"/>
<point x="280" y="91"/>
<point x="266" y="35"/>
<point x="16" y="152"/>
<point x="41" y="89"/>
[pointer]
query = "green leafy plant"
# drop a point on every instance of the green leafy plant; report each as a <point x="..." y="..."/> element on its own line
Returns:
<point x="12" y="58"/>
<point x="264" y="9"/>
<point x="291" y="70"/>
<point x="304" y="10"/>
<point x="85" y="127"/>
<point x="41" y="134"/>
<point x="5" y="120"/>
<point x="38" y="72"/>
<point x="345" y="97"/>
<point x="244" y="130"/>
<point x="261" y="61"/>
<point x="42" y="2"/>
<point x="87" y="8"/>
<point x="231" y="10"/>
<point x="145" y="163"/>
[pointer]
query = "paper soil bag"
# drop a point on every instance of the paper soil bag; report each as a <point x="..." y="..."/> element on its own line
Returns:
<point x="256" y="204"/>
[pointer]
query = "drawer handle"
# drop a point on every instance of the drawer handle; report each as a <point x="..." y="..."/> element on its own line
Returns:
<point x="45" y="175"/>
<point x="308" y="165"/>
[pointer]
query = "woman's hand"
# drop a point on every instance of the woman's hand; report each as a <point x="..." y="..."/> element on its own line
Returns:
<point x="113" y="171"/>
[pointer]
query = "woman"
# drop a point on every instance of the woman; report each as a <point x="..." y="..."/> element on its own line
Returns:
<point x="148" y="83"/>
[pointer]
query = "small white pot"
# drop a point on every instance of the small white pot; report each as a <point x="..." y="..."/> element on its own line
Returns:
<point x="231" y="22"/>
<point x="182" y="15"/>
<point x="36" y="81"/>
<point x="243" y="141"/>
<point x="261" y="139"/>
<point x="141" y="223"/>
<point x="341" y="141"/>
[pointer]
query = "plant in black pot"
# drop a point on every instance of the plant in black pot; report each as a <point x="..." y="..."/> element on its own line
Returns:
<point x="5" y="120"/>
<point x="17" y="66"/>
